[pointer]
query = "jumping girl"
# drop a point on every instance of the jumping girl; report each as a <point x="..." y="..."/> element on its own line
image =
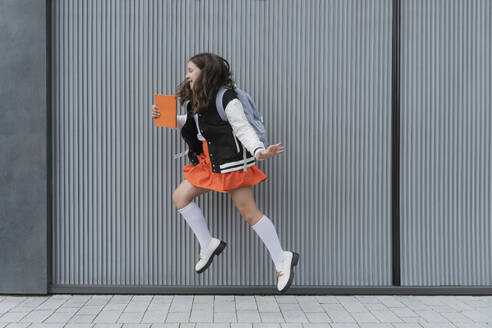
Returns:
<point x="223" y="156"/>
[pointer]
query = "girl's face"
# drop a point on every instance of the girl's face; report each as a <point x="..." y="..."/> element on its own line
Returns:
<point x="192" y="73"/>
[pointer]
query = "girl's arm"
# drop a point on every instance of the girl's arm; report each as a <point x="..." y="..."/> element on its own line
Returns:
<point x="241" y="127"/>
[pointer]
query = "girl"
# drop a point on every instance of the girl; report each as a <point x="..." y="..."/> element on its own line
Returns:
<point x="223" y="156"/>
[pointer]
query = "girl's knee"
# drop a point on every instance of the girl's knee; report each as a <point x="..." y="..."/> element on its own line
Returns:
<point x="179" y="199"/>
<point x="251" y="216"/>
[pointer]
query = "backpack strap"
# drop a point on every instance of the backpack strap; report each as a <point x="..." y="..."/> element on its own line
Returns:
<point x="219" y="104"/>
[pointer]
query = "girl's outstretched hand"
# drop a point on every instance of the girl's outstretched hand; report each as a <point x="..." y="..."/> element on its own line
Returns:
<point x="272" y="150"/>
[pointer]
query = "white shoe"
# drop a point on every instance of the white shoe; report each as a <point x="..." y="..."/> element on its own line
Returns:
<point x="286" y="274"/>
<point x="215" y="247"/>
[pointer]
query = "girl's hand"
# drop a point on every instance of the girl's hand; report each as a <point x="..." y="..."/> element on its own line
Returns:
<point x="155" y="112"/>
<point x="272" y="150"/>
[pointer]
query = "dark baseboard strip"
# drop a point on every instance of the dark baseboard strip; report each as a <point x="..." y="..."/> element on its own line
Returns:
<point x="270" y="290"/>
<point x="395" y="144"/>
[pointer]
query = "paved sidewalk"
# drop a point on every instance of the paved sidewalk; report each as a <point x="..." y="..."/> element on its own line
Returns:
<point x="206" y="311"/>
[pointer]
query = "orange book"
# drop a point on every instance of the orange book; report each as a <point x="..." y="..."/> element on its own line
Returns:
<point x="167" y="107"/>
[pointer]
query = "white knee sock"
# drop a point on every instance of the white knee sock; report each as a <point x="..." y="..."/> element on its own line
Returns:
<point x="265" y="229"/>
<point x="194" y="216"/>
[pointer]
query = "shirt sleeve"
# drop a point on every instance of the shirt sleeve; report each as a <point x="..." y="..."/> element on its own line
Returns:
<point x="241" y="127"/>
<point x="180" y="121"/>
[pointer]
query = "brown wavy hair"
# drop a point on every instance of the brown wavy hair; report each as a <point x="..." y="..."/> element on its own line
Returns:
<point x="215" y="72"/>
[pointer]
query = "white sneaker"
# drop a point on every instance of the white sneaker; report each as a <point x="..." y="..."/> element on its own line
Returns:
<point x="215" y="247"/>
<point x="286" y="274"/>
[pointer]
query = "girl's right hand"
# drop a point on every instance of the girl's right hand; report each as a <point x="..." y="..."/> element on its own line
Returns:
<point x="155" y="112"/>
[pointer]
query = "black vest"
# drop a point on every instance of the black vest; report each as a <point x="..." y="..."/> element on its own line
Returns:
<point x="227" y="153"/>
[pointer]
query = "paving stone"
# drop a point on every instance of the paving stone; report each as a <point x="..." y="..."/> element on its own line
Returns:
<point x="113" y="307"/>
<point x="414" y="320"/>
<point x="344" y="325"/>
<point x="120" y="299"/>
<point x="432" y="316"/>
<point x="82" y="318"/>
<point x="403" y="312"/>
<point x="311" y="307"/>
<point x="180" y="306"/>
<point x="364" y="317"/>
<point x="430" y="300"/>
<point x="161" y="299"/>
<point x="178" y="317"/>
<point x="248" y="316"/>
<point x="295" y="316"/>
<point x="376" y="325"/>
<point x="286" y="299"/>
<point x="225" y="317"/>
<point x="14" y="299"/>
<point x="201" y="316"/>
<point x="241" y="325"/>
<point x="271" y="317"/>
<point x="187" y="325"/>
<point x="203" y="307"/>
<point x="289" y="307"/>
<point x="158" y="307"/>
<point x="211" y="325"/>
<point x="354" y="307"/>
<point x="340" y="316"/>
<point x="317" y="317"/>
<point x="224" y="298"/>
<point x="37" y="316"/>
<point x="131" y="317"/>
<point x="367" y="299"/>
<point x="291" y="325"/>
<point x="107" y="317"/>
<point x="137" y="307"/>
<point x="59" y="317"/>
<point x="154" y="317"/>
<point x="406" y="325"/>
<point x="267" y="306"/>
<point x="333" y="307"/>
<point x="246" y="306"/>
<point x="18" y="308"/>
<point x="475" y="316"/>
<point x="207" y="299"/>
<point x="99" y="300"/>
<point x="327" y="299"/>
<point x="90" y="309"/>
<point x="225" y="306"/>
<point x="142" y="298"/>
<point x="386" y="316"/>
<point x="390" y="301"/>
<point x="265" y="298"/>
<point x="34" y="301"/>
<point x="437" y="325"/>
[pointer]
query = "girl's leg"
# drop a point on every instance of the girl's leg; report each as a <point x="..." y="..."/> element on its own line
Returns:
<point x="244" y="200"/>
<point x="183" y="199"/>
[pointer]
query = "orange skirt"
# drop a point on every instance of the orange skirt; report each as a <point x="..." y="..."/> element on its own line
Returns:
<point x="202" y="176"/>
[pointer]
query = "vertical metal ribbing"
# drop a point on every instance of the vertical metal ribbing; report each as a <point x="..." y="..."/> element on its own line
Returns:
<point x="319" y="72"/>
<point x="446" y="138"/>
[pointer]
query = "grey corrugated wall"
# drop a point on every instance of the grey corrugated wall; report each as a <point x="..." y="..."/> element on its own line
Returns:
<point x="320" y="73"/>
<point x="446" y="170"/>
